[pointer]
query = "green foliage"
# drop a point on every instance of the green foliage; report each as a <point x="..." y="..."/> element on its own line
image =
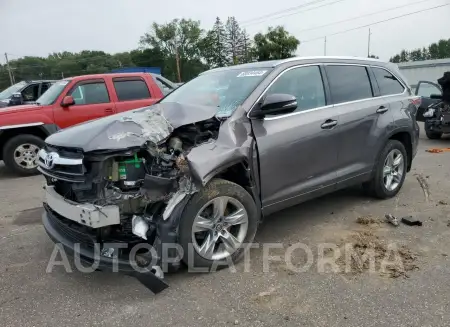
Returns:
<point x="439" y="50"/>
<point x="275" y="44"/>
<point x="180" y="48"/>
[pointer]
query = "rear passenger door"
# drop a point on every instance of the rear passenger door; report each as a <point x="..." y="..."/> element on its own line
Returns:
<point x="425" y="90"/>
<point x="132" y="93"/>
<point x="297" y="151"/>
<point x="364" y="118"/>
<point x="92" y="101"/>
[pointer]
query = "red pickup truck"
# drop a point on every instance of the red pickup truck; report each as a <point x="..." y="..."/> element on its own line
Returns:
<point x="68" y="102"/>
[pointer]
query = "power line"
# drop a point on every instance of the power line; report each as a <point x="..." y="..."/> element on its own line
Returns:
<point x="375" y="23"/>
<point x="366" y="15"/>
<point x="262" y="19"/>
<point x="282" y="11"/>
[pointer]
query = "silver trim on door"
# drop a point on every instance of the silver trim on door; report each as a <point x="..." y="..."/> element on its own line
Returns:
<point x="21" y="125"/>
<point x="405" y="89"/>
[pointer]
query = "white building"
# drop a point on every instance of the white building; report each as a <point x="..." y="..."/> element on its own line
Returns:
<point x="427" y="70"/>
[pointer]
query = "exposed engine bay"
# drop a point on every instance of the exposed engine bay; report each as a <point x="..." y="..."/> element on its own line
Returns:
<point x="438" y="114"/>
<point x="140" y="182"/>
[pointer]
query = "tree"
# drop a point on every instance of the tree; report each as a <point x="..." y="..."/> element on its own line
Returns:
<point x="246" y="50"/>
<point x="179" y="39"/>
<point x="404" y="56"/>
<point x="438" y="50"/>
<point x="275" y="44"/>
<point x="234" y="42"/>
<point x="213" y="46"/>
<point x="416" y="55"/>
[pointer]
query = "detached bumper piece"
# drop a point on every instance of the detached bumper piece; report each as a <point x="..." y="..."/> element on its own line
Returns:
<point x="68" y="233"/>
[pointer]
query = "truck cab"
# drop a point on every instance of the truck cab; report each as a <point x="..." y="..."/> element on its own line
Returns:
<point x="68" y="102"/>
<point x="24" y="92"/>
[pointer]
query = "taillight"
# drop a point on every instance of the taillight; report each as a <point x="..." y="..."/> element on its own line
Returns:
<point x="416" y="101"/>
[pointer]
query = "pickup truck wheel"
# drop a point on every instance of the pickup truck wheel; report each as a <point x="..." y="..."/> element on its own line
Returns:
<point x="390" y="171"/>
<point x="217" y="225"/>
<point x="20" y="154"/>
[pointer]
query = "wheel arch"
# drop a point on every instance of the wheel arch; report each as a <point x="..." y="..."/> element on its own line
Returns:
<point x="404" y="136"/>
<point x="41" y="131"/>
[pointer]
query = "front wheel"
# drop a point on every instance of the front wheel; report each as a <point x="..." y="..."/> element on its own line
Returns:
<point x="390" y="171"/>
<point x="217" y="224"/>
<point x="432" y="135"/>
<point x="20" y="154"/>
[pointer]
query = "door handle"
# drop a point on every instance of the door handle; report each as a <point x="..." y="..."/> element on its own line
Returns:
<point x="382" y="110"/>
<point x="109" y="110"/>
<point x="328" y="124"/>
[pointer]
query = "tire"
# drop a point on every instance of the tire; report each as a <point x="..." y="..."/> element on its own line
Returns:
<point x="376" y="187"/>
<point x="433" y="135"/>
<point x="216" y="189"/>
<point x="29" y="142"/>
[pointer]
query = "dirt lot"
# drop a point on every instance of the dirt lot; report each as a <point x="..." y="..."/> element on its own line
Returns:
<point x="31" y="297"/>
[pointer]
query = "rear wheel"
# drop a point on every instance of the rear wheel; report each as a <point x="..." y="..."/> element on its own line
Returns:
<point x="20" y="154"/>
<point x="390" y="171"/>
<point x="217" y="223"/>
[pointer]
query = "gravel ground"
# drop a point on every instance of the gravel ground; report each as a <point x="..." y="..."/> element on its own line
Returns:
<point x="31" y="297"/>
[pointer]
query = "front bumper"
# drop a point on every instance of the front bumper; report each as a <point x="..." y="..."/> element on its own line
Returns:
<point x="68" y="238"/>
<point x="438" y="125"/>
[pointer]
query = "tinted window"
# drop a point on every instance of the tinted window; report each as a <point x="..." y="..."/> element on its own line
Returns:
<point x="131" y="90"/>
<point x="45" y="87"/>
<point x="305" y="83"/>
<point x="91" y="93"/>
<point x="31" y="93"/>
<point x="349" y="83"/>
<point x="387" y="82"/>
<point x="165" y="88"/>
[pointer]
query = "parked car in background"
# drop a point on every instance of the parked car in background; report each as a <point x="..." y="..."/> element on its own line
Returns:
<point x="68" y="102"/>
<point x="204" y="165"/>
<point x="24" y="92"/>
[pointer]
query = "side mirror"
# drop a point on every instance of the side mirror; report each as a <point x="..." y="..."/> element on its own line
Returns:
<point x="67" y="101"/>
<point x="436" y="96"/>
<point x="16" y="99"/>
<point x="275" y="104"/>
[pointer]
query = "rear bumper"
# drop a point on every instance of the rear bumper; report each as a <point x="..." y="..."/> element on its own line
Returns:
<point x="90" y="255"/>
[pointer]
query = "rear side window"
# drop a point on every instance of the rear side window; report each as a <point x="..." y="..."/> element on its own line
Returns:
<point x="128" y="90"/>
<point x="387" y="82"/>
<point x="349" y="83"/>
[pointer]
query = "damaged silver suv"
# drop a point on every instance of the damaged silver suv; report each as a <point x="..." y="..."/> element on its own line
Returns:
<point x="203" y="166"/>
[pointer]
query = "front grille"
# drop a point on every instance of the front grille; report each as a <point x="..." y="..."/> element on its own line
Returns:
<point x="73" y="231"/>
<point x="72" y="153"/>
<point x="65" y="164"/>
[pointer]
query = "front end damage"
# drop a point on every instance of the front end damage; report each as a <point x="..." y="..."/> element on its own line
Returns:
<point x="116" y="184"/>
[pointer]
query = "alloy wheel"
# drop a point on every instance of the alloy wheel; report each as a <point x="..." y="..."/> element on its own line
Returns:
<point x="26" y="155"/>
<point x="219" y="228"/>
<point x="393" y="170"/>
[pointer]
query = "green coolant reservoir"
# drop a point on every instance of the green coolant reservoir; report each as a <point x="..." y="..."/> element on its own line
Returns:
<point x="130" y="171"/>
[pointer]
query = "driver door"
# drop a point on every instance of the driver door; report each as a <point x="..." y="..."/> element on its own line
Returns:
<point x="298" y="152"/>
<point x="425" y="89"/>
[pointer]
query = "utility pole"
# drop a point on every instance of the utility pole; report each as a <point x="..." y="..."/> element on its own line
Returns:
<point x="177" y="58"/>
<point x="368" y="45"/>
<point x="325" y="47"/>
<point x="11" y="78"/>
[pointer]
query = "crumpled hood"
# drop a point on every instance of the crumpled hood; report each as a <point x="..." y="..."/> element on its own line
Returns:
<point x="132" y="128"/>
<point x="11" y="109"/>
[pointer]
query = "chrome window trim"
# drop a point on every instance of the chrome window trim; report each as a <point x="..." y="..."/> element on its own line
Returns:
<point x="21" y="125"/>
<point x="59" y="160"/>
<point x="405" y="88"/>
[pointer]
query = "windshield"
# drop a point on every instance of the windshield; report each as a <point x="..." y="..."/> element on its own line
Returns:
<point x="50" y="96"/>
<point x="226" y="89"/>
<point x="6" y="94"/>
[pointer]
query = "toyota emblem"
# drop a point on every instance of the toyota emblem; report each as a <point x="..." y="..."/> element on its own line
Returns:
<point x="50" y="159"/>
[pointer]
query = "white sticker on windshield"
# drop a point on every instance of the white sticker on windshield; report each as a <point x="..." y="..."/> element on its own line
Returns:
<point x="252" y="73"/>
